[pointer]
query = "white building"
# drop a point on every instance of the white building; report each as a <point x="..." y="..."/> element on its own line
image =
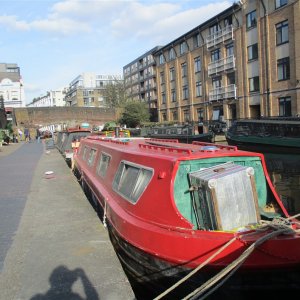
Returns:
<point x="11" y="86"/>
<point x="52" y="98"/>
<point x="87" y="89"/>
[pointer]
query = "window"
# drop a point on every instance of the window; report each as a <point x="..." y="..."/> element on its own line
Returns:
<point x="251" y="19"/>
<point x="254" y="84"/>
<point x="163" y="98"/>
<point x="185" y="92"/>
<point x="213" y="29"/>
<point x="197" y="64"/>
<point x="183" y="70"/>
<point x="172" y="74"/>
<point x="279" y="3"/>
<point x="252" y="52"/>
<point x="196" y="40"/>
<point x="92" y="156"/>
<point x="217" y="82"/>
<point x="84" y="153"/>
<point x="228" y="21"/>
<point x="231" y="78"/>
<point x="215" y="55"/>
<point x="161" y="59"/>
<point x="162" y="77"/>
<point x="171" y="54"/>
<point x="173" y="95"/>
<point x="175" y="115"/>
<point x="164" y="116"/>
<point x="131" y="180"/>
<point x="183" y="48"/>
<point x="282" y="32"/>
<point x="103" y="164"/>
<point x="198" y="89"/>
<point x="200" y="114"/>
<point x="283" y="68"/>
<point x="186" y="115"/>
<point x="229" y="50"/>
<point x="285" y="109"/>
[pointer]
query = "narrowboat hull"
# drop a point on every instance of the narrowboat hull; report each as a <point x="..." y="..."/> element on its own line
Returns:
<point x="264" y="144"/>
<point x="150" y="276"/>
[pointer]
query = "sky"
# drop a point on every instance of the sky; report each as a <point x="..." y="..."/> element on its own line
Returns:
<point x="55" y="41"/>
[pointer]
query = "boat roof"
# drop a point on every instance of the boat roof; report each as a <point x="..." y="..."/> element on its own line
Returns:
<point x="71" y="130"/>
<point x="168" y="148"/>
<point x="292" y="121"/>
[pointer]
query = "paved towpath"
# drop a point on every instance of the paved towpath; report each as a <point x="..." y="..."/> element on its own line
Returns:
<point x="52" y="244"/>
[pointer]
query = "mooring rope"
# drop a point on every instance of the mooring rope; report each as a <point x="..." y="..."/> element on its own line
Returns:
<point x="279" y="225"/>
<point x="194" y="270"/>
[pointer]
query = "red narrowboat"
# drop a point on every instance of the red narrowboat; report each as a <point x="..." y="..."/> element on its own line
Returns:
<point x="67" y="142"/>
<point x="191" y="220"/>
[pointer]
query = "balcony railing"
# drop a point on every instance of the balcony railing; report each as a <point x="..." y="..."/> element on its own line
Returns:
<point x="221" y="65"/>
<point x="220" y="37"/>
<point x="225" y="92"/>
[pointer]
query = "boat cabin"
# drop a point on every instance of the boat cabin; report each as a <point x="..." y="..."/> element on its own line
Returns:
<point x="67" y="139"/>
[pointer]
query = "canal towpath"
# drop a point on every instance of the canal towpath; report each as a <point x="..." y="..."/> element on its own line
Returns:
<point x="52" y="243"/>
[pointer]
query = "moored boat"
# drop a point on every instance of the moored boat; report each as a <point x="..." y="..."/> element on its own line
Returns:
<point x="173" y="207"/>
<point x="67" y="142"/>
<point x="183" y="133"/>
<point x="266" y="135"/>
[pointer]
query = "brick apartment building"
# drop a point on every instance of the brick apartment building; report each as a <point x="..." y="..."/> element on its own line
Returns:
<point x="140" y="81"/>
<point x="242" y="63"/>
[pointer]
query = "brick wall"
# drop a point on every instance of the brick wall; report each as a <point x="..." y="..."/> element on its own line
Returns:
<point x="35" y="116"/>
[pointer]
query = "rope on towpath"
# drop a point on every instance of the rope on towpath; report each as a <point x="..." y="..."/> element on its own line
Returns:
<point x="278" y="225"/>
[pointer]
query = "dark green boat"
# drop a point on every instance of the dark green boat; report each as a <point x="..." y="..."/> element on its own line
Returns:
<point x="266" y="135"/>
<point x="182" y="133"/>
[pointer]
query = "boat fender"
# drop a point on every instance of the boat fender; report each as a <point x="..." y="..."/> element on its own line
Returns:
<point x="104" y="214"/>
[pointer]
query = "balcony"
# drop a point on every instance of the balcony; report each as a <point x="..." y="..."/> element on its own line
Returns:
<point x="219" y="37"/>
<point x="219" y="66"/>
<point x="221" y="93"/>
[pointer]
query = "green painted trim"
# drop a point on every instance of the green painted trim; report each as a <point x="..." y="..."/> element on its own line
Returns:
<point x="182" y="195"/>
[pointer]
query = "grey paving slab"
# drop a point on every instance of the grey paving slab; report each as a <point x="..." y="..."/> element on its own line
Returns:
<point x="16" y="172"/>
<point x="60" y="249"/>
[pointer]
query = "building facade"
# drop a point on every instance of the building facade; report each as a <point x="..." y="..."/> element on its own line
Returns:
<point x="87" y="90"/>
<point x="11" y="86"/>
<point x="140" y="81"/>
<point x="52" y="98"/>
<point x="243" y="63"/>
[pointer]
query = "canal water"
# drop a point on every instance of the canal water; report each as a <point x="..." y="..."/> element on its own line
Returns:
<point x="284" y="171"/>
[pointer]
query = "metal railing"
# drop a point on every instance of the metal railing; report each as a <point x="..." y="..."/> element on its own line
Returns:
<point x="221" y="65"/>
<point x="225" y="92"/>
<point x="219" y="36"/>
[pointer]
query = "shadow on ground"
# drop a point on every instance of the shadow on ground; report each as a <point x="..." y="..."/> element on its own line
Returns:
<point x="61" y="280"/>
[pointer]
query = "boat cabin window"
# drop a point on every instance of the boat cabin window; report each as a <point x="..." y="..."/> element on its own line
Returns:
<point x="84" y="153"/>
<point x="92" y="156"/>
<point x="103" y="164"/>
<point x="131" y="180"/>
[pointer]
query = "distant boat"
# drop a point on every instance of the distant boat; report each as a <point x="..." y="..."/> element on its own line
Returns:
<point x="172" y="208"/>
<point x="68" y="141"/>
<point x="182" y="133"/>
<point x="266" y="135"/>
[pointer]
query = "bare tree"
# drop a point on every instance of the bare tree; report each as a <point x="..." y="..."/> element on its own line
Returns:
<point x="114" y="94"/>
